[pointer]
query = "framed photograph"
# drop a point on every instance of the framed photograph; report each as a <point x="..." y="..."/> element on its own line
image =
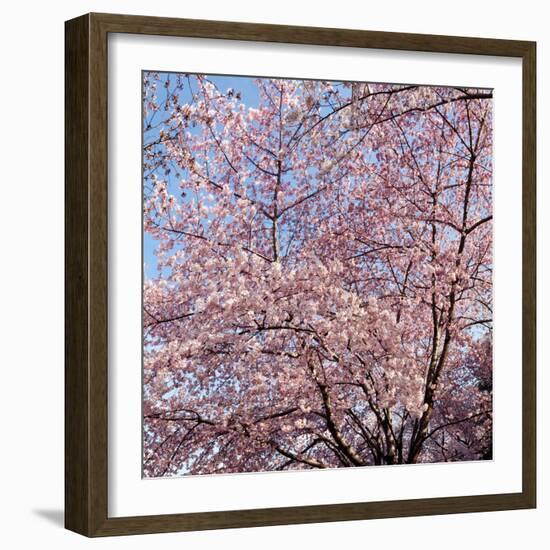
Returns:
<point x="300" y="275"/>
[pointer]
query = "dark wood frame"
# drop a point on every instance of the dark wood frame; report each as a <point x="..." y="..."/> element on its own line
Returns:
<point x="86" y="274"/>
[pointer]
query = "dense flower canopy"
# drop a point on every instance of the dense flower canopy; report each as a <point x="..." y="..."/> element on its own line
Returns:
<point x="323" y="293"/>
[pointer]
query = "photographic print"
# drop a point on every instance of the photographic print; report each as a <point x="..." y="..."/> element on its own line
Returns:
<point x="317" y="274"/>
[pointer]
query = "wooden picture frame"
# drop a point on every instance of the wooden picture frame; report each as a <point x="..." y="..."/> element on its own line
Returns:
<point x="86" y="285"/>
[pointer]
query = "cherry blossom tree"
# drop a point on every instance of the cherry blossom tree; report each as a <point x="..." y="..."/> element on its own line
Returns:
<point x="323" y="293"/>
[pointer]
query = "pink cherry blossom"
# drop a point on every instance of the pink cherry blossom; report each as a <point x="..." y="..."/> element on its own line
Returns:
<point x="324" y="287"/>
